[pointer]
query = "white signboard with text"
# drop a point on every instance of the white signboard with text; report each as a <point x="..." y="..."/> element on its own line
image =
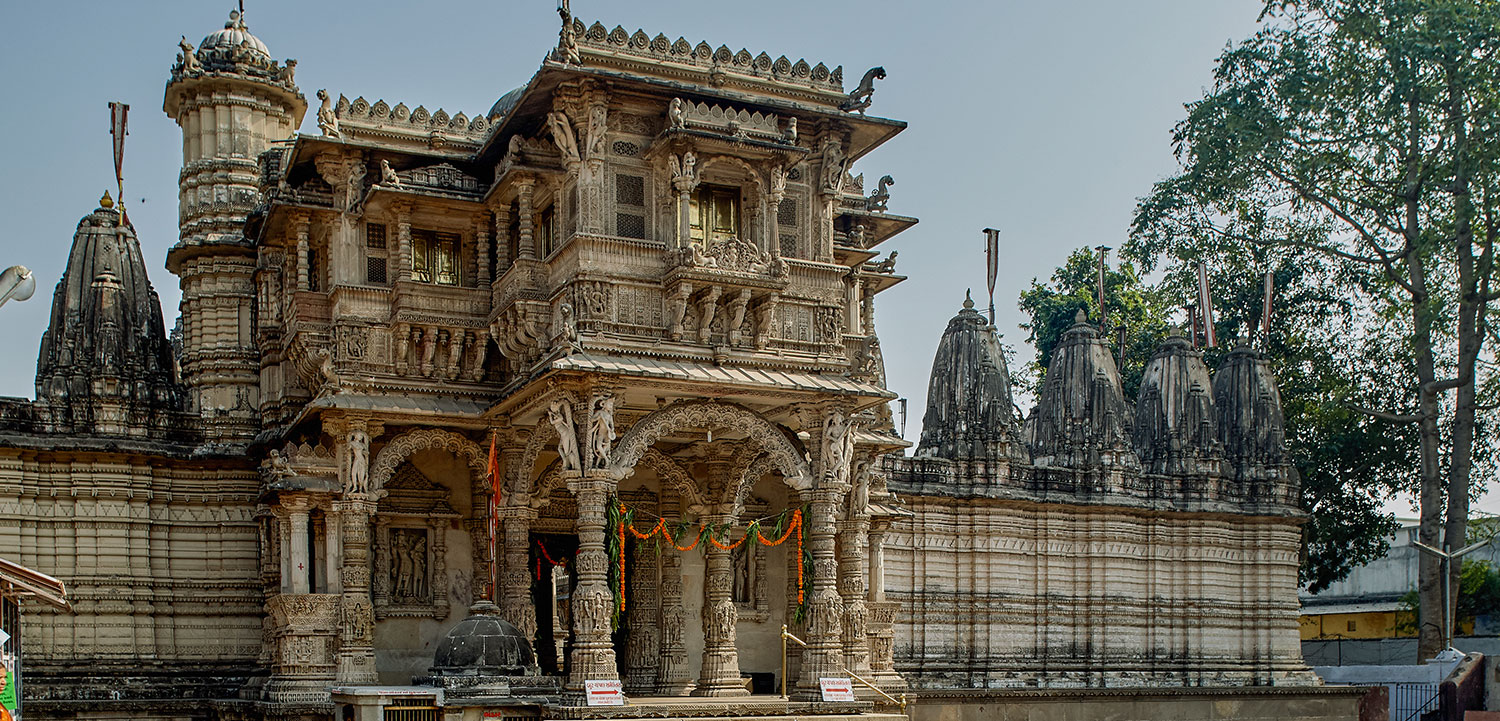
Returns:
<point x="604" y="693"/>
<point x="837" y="689"/>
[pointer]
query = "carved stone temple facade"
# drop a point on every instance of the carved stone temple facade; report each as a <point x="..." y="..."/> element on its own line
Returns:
<point x="646" y="279"/>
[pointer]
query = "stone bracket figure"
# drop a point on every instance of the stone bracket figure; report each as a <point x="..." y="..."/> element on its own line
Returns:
<point x="882" y="195"/>
<point x="328" y="122"/>
<point x="560" y="415"/>
<point x="601" y="429"/>
<point x="359" y="462"/>
<point x="859" y="99"/>
<point x="562" y="134"/>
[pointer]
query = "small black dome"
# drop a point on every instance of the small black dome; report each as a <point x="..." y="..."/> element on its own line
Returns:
<point x="484" y="645"/>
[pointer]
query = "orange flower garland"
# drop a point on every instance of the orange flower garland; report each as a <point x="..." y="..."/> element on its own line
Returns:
<point x="626" y="522"/>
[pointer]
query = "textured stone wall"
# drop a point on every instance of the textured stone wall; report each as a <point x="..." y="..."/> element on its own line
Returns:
<point x="1012" y="594"/>
<point x="160" y="556"/>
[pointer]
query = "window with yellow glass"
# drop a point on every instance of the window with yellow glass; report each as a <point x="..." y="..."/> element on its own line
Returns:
<point x="714" y="213"/>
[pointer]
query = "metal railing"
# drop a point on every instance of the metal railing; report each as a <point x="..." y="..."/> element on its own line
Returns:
<point x="1411" y="700"/>
<point x="787" y="636"/>
<point x="412" y="713"/>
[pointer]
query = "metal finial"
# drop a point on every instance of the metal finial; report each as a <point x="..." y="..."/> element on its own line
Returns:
<point x="968" y="301"/>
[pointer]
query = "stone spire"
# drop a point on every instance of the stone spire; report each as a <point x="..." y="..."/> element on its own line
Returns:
<point x="231" y="102"/>
<point x="105" y="367"/>
<point x="1252" y="428"/>
<point x="969" y="406"/>
<point x="1081" y="420"/>
<point x="1176" y="425"/>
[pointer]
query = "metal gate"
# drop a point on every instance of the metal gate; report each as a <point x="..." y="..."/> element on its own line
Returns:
<point x="1409" y="701"/>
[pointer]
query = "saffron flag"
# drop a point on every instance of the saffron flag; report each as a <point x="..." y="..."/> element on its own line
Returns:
<point x="1205" y="302"/>
<point x="494" y="473"/>
<point x="1265" y="310"/>
<point x="117" y="115"/>
<point x="992" y="264"/>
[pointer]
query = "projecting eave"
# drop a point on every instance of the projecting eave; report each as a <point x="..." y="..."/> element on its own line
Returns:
<point x="879" y="227"/>
<point x="867" y="132"/>
<point x="19" y="581"/>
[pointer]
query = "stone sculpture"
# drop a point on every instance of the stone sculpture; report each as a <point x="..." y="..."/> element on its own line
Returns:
<point x="328" y="122"/>
<point x="562" y="135"/>
<point x="859" y="99"/>
<point x="387" y="175"/>
<point x="359" y="461"/>
<point x="189" y="59"/>
<point x="882" y="195"/>
<point x="560" y="415"/>
<point x="677" y="114"/>
<point x="602" y="429"/>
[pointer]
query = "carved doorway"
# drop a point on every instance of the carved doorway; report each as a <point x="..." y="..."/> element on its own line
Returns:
<point x="552" y="584"/>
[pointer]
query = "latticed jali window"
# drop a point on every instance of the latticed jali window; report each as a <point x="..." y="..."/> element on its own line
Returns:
<point x="630" y="206"/>
<point x="434" y="257"/>
<point x="786" y="222"/>
<point x="714" y="213"/>
<point x="375" y="254"/>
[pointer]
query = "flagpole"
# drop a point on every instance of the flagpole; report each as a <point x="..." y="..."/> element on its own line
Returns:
<point x="1103" y="251"/>
<point x="992" y="265"/>
<point x="1265" y="311"/>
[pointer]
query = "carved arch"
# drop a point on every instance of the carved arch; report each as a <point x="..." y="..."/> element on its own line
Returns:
<point x="762" y="465"/>
<point x="672" y="475"/>
<point x="751" y="174"/>
<point x="700" y="414"/>
<point x="403" y="446"/>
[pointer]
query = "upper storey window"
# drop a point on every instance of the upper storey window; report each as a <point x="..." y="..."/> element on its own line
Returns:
<point x="434" y="257"/>
<point x="714" y="213"/>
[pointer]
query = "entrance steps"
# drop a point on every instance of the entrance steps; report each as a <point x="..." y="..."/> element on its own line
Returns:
<point x="744" y="708"/>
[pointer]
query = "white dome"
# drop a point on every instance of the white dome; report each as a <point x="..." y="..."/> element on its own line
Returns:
<point x="234" y="34"/>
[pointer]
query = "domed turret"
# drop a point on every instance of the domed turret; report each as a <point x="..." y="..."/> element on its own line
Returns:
<point x="1081" y="420"/>
<point x="484" y="645"/>
<point x="1176" y="426"/>
<point x="969" y="406"/>
<point x="1252" y="428"/>
<point x="105" y="366"/>
<point x="231" y="102"/>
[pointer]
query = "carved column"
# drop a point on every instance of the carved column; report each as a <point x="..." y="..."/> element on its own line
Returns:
<point x="502" y="239"/>
<point x="297" y="543"/>
<point x="527" y="231"/>
<point x="482" y="249"/>
<point x="593" y="656"/>
<point x="672" y="677"/>
<point x="381" y="581"/>
<point x="824" y="654"/>
<point x="592" y="182"/>
<point x="853" y="531"/>
<point x="403" y="241"/>
<point x="356" y="661"/>
<point x="642" y="647"/>
<point x="515" y="579"/>
<point x="719" y="674"/>
<point x="882" y="614"/>
<point x="300" y="223"/>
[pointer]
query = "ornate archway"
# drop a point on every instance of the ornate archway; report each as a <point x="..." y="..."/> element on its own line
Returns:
<point x="403" y="446"/>
<point x="632" y="446"/>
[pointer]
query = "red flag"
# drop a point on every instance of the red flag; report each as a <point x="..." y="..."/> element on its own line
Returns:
<point x="494" y="473"/>
<point x="117" y="114"/>
<point x="1205" y="302"/>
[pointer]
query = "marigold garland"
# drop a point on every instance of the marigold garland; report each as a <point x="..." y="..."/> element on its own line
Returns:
<point x="624" y="520"/>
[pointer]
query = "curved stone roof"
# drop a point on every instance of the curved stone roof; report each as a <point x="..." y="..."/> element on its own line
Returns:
<point x="969" y="404"/>
<point x="1251" y="425"/>
<point x="1081" y="418"/>
<point x="484" y="645"/>
<point x="1176" y="426"/>
<point x="234" y="34"/>
<point x="106" y="341"/>
<point x="507" y="102"/>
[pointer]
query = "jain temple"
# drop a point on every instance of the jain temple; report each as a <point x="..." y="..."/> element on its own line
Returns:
<point x="464" y="415"/>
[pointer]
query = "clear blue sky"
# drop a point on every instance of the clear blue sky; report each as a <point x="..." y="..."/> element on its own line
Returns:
<point x="1044" y="119"/>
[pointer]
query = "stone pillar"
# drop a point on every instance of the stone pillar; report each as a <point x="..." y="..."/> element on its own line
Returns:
<point x="381" y="579"/>
<point x="853" y="531"/>
<point x="482" y="249"/>
<point x="502" y="239"/>
<point x="356" y="660"/>
<point x="515" y="578"/>
<point x="882" y="614"/>
<point x="824" y="654"/>
<point x="298" y="543"/>
<point x="719" y="674"/>
<point x="300" y="224"/>
<point x="593" y="656"/>
<point x="403" y="241"/>
<point x="642" y="648"/>
<point x="672" y="677"/>
<point x="526" y="241"/>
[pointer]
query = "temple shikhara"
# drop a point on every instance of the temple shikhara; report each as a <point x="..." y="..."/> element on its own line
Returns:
<point x="464" y="414"/>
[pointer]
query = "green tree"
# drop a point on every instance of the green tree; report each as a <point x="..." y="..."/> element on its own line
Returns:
<point x="1364" y="131"/>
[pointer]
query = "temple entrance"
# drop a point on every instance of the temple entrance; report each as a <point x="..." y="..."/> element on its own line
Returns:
<point x="552" y="584"/>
